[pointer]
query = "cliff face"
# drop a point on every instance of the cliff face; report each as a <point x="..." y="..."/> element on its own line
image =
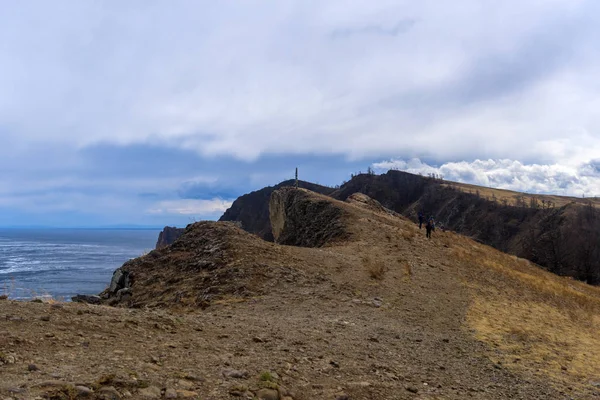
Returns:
<point x="168" y="235"/>
<point x="252" y="209"/>
<point x="299" y="218"/>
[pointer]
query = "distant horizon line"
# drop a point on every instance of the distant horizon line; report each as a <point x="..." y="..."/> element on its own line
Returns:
<point x="87" y="227"/>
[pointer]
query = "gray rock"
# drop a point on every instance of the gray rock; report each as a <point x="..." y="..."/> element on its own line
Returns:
<point x="151" y="392"/>
<point x="83" y="391"/>
<point x="124" y="294"/>
<point x="267" y="394"/>
<point x="170" y="394"/>
<point x="83" y="298"/>
<point x="108" y="393"/>
<point x="412" y="389"/>
<point x="120" y="280"/>
<point x="233" y="373"/>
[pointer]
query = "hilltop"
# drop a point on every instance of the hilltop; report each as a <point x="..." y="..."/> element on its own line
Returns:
<point x="252" y="210"/>
<point x="558" y="233"/>
<point x="350" y="301"/>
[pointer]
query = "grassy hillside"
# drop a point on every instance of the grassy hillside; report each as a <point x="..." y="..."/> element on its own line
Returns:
<point x="559" y="233"/>
<point x="377" y="311"/>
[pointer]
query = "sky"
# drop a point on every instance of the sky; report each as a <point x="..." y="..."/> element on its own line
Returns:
<point x="158" y="113"/>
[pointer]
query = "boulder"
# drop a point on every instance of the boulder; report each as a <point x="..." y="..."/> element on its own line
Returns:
<point x="120" y="280"/>
<point x="84" y="298"/>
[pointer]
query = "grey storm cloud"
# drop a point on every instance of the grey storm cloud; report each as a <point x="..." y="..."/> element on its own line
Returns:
<point x="453" y="80"/>
<point x="237" y="83"/>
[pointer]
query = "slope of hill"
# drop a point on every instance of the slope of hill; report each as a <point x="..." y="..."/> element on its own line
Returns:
<point x="376" y="311"/>
<point x="558" y="233"/>
<point x="252" y="209"/>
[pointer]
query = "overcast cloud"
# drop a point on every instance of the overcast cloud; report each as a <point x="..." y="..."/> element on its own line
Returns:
<point x="216" y="96"/>
<point x="583" y="180"/>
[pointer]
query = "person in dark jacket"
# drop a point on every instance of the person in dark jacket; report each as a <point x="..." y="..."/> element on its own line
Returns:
<point x="429" y="227"/>
<point x="421" y="219"/>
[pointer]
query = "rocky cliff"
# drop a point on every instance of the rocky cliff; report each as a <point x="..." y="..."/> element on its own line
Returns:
<point x="168" y="235"/>
<point x="252" y="209"/>
<point x="299" y="218"/>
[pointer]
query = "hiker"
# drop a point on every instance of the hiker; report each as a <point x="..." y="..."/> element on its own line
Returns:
<point x="421" y="219"/>
<point x="442" y="226"/>
<point x="429" y="227"/>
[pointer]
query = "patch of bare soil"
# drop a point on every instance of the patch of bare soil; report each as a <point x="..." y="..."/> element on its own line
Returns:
<point x="221" y="314"/>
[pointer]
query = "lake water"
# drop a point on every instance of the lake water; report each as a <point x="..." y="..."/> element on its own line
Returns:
<point x="65" y="262"/>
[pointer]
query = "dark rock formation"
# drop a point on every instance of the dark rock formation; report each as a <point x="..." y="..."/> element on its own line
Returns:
<point x="298" y="219"/>
<point x="252" y="209"/>
<point x="168" y="235"/>
<point x="82" y="298"/>
<point x="120" y="280"/>
<point x="211" y="259"/>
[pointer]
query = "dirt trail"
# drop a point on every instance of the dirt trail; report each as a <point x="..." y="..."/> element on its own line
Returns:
<point x="379" y="315"/>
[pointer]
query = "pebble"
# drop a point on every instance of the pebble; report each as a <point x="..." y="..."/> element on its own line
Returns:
<point x="412" y="389"/>
<point x="45" y="318"/>
<point x="186" y="394"/>
<point x="233" y="373"/>
<point x="170" y="394"/>
<point x="84" y="391"/>
<point x="32" y="367"/>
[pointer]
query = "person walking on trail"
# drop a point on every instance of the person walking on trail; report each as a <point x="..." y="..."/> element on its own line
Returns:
<point x="429" y="227"/>
<point x="421" y="219"/>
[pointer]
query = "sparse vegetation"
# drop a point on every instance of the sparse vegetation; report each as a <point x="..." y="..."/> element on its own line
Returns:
<point x="376" y="269"/>
<point x="408" y="235"/>
<point x="266" y="376"/>
<point x="407" y="269"/>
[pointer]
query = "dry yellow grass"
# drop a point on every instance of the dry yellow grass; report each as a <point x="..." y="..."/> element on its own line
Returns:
<point x="510" y="197"/>
<point x="538" y="321"/>
<point x="376" y="269"/>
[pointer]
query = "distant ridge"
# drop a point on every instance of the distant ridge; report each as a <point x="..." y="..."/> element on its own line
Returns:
<point x="556" y="232"/>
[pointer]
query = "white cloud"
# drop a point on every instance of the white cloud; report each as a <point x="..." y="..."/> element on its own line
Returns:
<point x="510" y="174"/>
<point x="191" y="207"/>
<point x="479" y="79"/>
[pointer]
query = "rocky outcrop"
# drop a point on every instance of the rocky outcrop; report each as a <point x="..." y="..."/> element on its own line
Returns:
<point x="82" y="298"/>
<point x="252" y="209"/>
<point x="300" y="218"/>
<point x="168" y="235"/>
<point x="208" y="261"/>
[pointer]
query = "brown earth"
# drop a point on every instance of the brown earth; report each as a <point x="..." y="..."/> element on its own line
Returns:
<point x="377" y="312"/>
